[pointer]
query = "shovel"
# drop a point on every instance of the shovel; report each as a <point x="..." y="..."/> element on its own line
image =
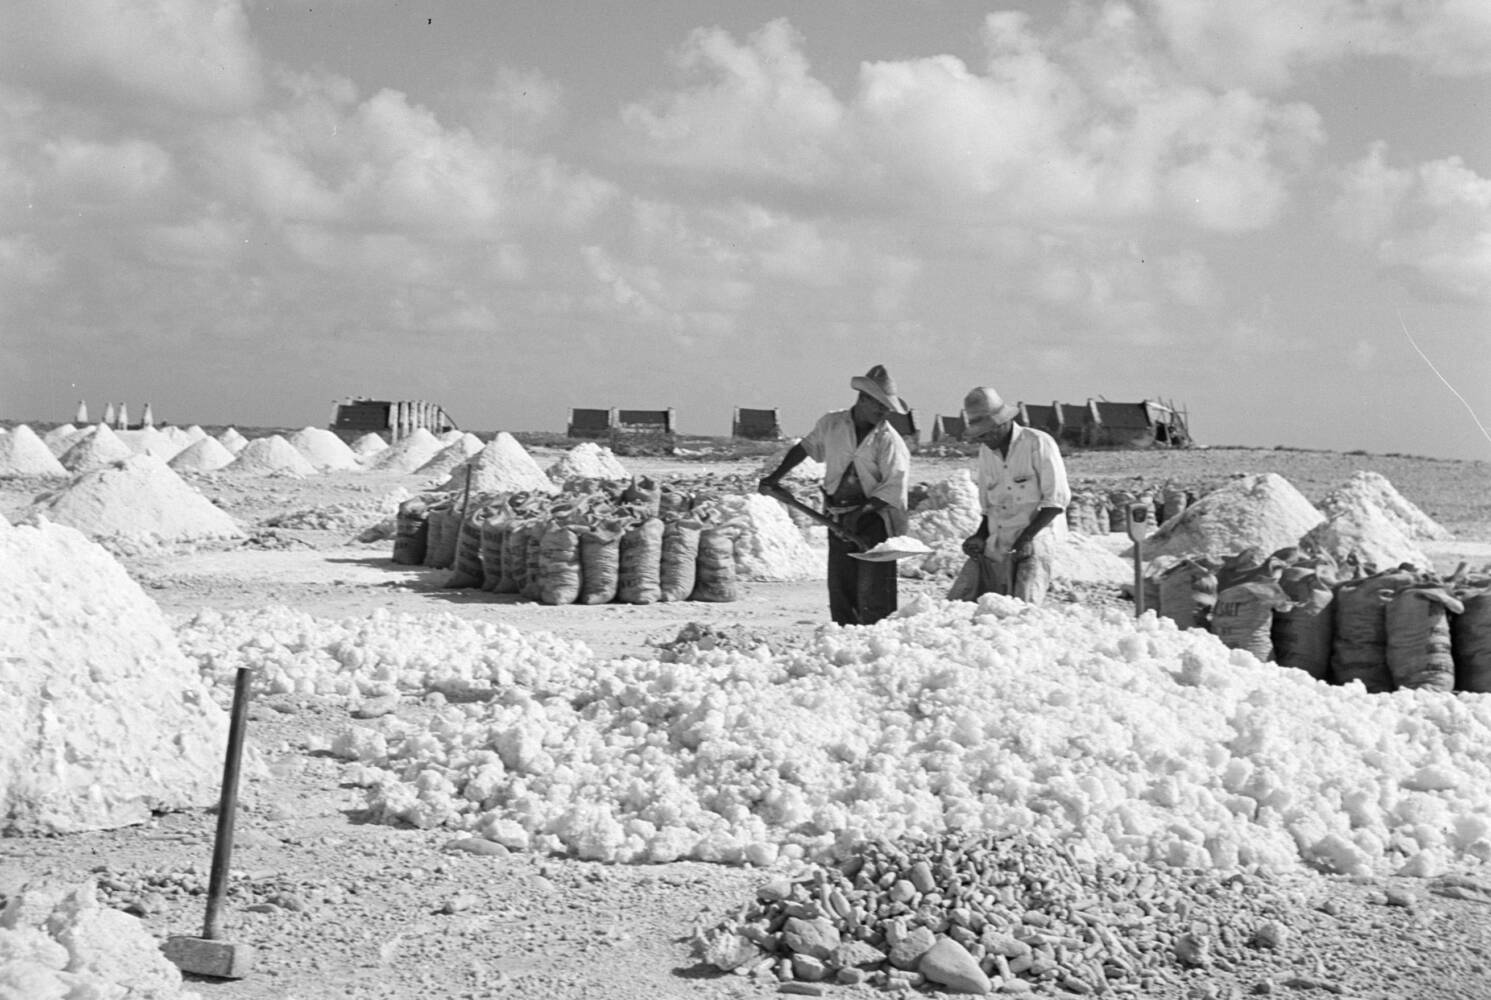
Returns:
<point x="856" y="543"/>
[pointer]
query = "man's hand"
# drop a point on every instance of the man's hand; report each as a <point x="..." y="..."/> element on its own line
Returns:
<point x="769" y="485"/>
<point x="973" y="545"/>
<point x="1023" y="548"/>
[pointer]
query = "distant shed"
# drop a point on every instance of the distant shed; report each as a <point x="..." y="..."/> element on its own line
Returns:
<point x="589" y="423"/>
<point x="948" y="428"/>
<point x="905" y="425"/>
<point x="756" y="425"/>
<point x="645" y="421"/>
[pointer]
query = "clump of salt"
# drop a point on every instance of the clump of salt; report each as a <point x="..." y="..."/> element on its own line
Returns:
<point x="949" y="514"/>
<point x="770" y="546"/>
<point x="587" y="460"/>
<point x="408" y="453"/>
<point x="323" y="449"/>
<point x="22" y="453"/>
<point x="1263" y="511"/>
<point x="105" y="719"/>
<point x="137" y="502"/>
<point x="206" y="455"/>
<point x="503" y="466"/>
<point x="273" y="454"/>
<point x="95" y="447"/>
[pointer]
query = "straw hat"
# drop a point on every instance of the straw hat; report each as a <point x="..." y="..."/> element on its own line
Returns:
<point x="877" y="383"/>
<point x="984" y="410"/>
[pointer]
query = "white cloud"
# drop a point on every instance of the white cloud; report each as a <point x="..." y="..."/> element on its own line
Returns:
<point x="108" y="172"/>
<point x="1430" y="224"/>
<point x="192" y="54"/>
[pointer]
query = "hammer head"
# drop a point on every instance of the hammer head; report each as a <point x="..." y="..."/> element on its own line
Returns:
<point x="205" y="957"/>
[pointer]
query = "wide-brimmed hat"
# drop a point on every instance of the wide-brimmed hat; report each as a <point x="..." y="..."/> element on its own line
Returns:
<point x="984" y="409"/>
<point x="877" y="383"/>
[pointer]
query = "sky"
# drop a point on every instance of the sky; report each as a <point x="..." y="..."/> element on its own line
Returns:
<point x="1276" y="215"/>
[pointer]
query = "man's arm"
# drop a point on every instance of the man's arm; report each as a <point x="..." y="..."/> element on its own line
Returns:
<point x="794" y="457"/>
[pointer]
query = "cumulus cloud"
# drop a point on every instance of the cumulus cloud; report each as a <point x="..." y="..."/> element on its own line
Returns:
<point x="190" y="54"/>
<point x="1430" y="224"/>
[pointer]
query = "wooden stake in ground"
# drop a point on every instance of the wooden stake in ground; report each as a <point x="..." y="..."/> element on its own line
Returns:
<point x="209" y="955"/>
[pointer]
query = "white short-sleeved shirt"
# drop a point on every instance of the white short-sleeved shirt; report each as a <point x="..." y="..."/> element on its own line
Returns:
<point x="1011" y="489"/>
<point x="881" y="461"/>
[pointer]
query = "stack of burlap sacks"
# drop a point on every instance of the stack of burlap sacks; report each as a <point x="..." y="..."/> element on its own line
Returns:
<point x="1389" y="629"/>
<point x="597" y="542"/>
<point x="1101" y="512"/>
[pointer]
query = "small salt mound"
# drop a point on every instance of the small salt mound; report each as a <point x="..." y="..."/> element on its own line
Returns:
<point x="770" y="547"/>
<point x="323" y="449"/>
<point x="262" y="456"/>
<point x="151" y="441"/>
<point x="588" y="460"/>
<point x="1372" y="489"/>
<point x="1367" y="532"/>
<point x="808" y="470"/>
<point x="60" y="438"/>
<point x="232" y="440"/>
<point x="22" y="453"/>
<point x="949" y="514"/>
<point x="408" y="453"/>
<point x="369" y="444"/>
<point x="59" y="941"/>
<point x="503" y="466"/>
<point x="135" y="502"/>
<point x="454" y="454"/>
<point x="1263" y="511"/>
<point x="451" y="436"/>
<point x="94" y="448"/>
<point x="105" y="719"/>
<point x="206" y="455"/>
<point x="195" y="433"/>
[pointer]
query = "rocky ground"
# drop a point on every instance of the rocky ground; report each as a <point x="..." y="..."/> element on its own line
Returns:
<point x="339" y="907"/>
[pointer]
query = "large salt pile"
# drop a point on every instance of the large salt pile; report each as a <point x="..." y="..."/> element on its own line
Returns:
<point x="59" y="943"/>
<point x="151" y="441"/>
<point x="368" y="445"/>
<point x="94" y="448"/>
<point x="195" y="433"/>
<point x="60" y="438"/>
<point x="1263" y="511"/>
<point x="136" y="503"/>
<point x="104" y="718"/>
<point x="1085" y="559"/>
<point x="949" y="514"/>
<point x="323" y="449"/>
<point x="503" y="466"/>
<point x="807" y="471"/>
<point x="408" y="453"/>
<point x="1110" y="734"/>
<point x="1357" y="528"/>
<point x="1372" y="489"/>
<point x="458" y="452"/>
<point x="232" y="440"/>
<point x="588" y="460"/>
<point x="206" y="455"/>
<point x="770" y="546"/>
<point x="22" y="453"/>
<point x="268" y="455"/>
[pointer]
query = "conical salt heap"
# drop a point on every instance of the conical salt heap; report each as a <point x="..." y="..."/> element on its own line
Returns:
<point x="60" y="438"/>
<point x="456" y="453"/>
<point x="94" y="448"/>
<point x="133" y="503"/>
<point x="409" y="453"/>
<point x="195" y="433"/>
<point x="1373" y="489"/>
<point x="587" y="460"/>
<point x="1263" y="511"/>
<point x="105" y="720"/>
<point x="323" y="449"/>
<point x="206" y="455"/>
<point x="1358" y="527"/>
<point x="266" y="455"/>
<point x="150" y="441"/>
<point x="22" y="453"/>
<point x="369" y="445"/>
<point x="232" y="440"/>
<point x="503" y="466"/>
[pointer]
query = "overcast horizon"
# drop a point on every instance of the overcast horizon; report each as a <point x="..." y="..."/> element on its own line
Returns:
<point x="1278" y="218"/>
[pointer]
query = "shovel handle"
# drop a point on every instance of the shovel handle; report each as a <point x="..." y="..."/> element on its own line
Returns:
<point x="780" y="492"/>
<point x="227" y="806"/>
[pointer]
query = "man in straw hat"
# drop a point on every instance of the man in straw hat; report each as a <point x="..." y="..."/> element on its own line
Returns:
<point x="866" y="464"/>
<point x="1023" y="492"/>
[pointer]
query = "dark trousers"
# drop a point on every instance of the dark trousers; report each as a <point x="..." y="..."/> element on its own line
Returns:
<point x="860" y="593"/>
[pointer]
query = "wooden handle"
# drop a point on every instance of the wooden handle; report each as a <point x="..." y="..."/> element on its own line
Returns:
<point x="227" y="806"/>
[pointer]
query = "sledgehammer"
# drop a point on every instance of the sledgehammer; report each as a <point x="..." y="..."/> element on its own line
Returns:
<point x="209" y="955"/>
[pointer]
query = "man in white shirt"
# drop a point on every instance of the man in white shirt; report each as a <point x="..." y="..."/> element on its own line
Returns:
<point x="1024" y="495"/>
<point x="866" y="464"/>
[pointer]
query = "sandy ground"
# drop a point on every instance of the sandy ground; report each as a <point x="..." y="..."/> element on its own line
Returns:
<point x="339" y="907"/>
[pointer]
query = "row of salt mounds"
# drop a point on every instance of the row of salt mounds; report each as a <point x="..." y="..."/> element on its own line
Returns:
<point x="587" y="460"/>
<point x="503" y="466"/>
<point x="163" y="443"/>
<point x="1263" y="511"/>
<point x="133" y="504"/>
<point x="770" y="546"/>
<point x="1157" y="744"/>
<point x="22" y="453"/>
<point x="94" y="448"/>
<point x="408" y="453"/>
<point x="231" y="439"/>
<point x="271" y="455"/>
<point x="104" y="719"/>
<point x="368" y="445"/>
<point x="323" y="449"/>
<point x="457" y="453"/>
<point x="206" y="455"/>
<point x="60" y="438"/>
<point x="58" y="941"/>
